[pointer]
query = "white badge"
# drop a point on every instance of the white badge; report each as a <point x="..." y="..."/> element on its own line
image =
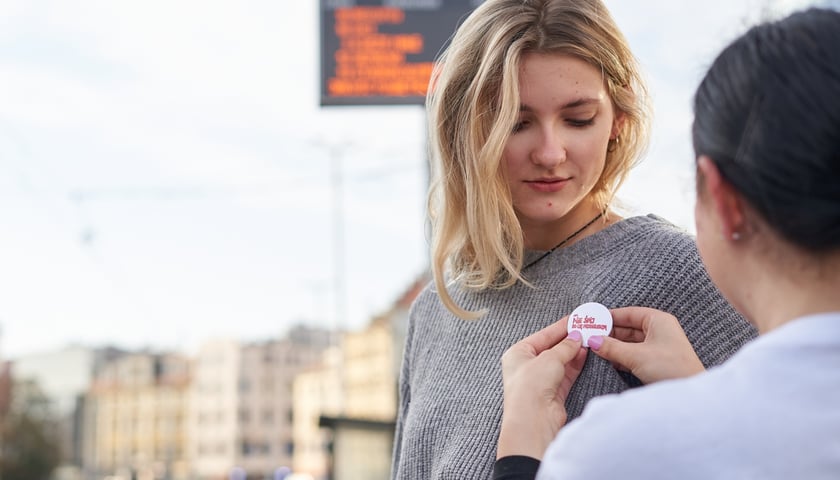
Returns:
<point x="590" y="319"/>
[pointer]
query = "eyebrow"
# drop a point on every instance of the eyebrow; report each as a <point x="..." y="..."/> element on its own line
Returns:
<point x="580" y="102"/>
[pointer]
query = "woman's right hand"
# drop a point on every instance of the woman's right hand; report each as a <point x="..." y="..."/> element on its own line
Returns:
<point x="648" y="343"/>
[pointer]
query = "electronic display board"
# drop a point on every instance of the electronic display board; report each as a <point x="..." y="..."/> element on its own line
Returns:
<point x="382" y="52"/>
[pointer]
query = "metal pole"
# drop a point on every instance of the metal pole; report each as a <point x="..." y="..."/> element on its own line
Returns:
<point x="338" y="234"/>
<point x="336" y="151"/>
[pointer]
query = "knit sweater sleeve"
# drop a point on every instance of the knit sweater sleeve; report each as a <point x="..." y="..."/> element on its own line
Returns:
<point x="404" y="392"/>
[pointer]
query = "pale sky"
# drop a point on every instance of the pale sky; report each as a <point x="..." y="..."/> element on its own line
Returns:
<point x="165" y="167"/>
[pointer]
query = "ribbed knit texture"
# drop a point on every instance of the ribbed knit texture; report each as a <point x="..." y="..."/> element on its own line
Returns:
<point x="451" y="381"/>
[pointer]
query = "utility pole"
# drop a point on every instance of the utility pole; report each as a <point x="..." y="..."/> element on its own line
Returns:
<point x="336" y="152"/>
<point x="338" y="234"/>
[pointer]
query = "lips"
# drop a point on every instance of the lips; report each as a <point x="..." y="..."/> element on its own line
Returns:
<point x="548" y="185"/>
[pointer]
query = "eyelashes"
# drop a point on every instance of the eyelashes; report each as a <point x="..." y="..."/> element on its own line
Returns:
<point x="573" y="122"/>
<point x="581" y="122"/>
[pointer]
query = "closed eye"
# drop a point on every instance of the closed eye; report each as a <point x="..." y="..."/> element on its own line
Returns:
<point x="519" y="126"/>
<point x="581" y="122"/>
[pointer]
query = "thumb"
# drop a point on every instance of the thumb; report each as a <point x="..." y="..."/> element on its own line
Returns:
<point x="615" y="351"/>
<point x="565" y="351"/>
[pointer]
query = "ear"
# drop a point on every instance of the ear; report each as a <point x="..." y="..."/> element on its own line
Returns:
<point x="725" y="201"/>
<point x="620" y="116"/>
<point x="618" y="124"/>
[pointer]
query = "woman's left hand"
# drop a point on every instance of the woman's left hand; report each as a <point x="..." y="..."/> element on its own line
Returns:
<point x="538" y="373"/>
<point x="648" y="343"/>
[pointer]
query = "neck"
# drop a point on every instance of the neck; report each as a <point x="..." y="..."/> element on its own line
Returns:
<point x="548" y="236"/>
<point x="777" y="294"/>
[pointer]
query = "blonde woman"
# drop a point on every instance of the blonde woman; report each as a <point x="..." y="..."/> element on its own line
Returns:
<point x="537" y="114"/>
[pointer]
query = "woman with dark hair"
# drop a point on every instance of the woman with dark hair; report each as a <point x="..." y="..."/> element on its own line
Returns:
<point x="767" y="138"/>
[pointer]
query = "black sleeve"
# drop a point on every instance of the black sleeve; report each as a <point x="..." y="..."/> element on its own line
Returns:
<point x="515" y="467"/>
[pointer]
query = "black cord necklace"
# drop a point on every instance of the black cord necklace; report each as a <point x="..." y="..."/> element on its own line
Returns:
<point x="566" y="240"/>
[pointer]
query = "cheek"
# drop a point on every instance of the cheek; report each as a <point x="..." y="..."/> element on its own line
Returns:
<point x="513" y="157"/>
<point x="704" y="231"/>
<point x="591" y="146"/>
<point x="591" y="160"/>
<point x="513" y="147"/>
<point x="507" y="168"/>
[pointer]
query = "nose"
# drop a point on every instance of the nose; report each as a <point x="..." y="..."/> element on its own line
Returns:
<point x="550" y="150"/>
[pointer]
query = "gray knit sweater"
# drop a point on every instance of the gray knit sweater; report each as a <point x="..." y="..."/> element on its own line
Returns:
<point x="451" y="381"/>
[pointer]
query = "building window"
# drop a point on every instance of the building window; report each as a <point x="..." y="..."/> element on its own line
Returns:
<point x="268" y="417"/>
<point x="244" y="385"/>
<point x="244" y="416"/>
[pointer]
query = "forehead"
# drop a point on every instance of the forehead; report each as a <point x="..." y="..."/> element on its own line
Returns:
<point x="560" y="76"/>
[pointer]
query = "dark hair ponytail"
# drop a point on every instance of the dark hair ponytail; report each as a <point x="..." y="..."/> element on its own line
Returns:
<point x="768" y="115"/>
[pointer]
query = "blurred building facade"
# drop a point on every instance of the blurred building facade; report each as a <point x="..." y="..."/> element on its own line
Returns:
<point x="347" y="407"/>
<point x="319" y="402"/>
<point x="212" y="407"/>
<point x="241" y="403"/>
<point x="316" y="392"/>
<point x="136" y="409"/>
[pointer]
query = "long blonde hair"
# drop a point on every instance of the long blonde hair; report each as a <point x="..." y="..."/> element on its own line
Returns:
<point x="472" y="106"/>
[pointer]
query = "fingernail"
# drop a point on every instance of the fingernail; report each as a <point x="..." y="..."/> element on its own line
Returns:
<point x="574" y="335"/>
<point x="595" y="342"/>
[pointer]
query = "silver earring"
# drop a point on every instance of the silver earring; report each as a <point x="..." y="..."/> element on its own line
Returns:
<point x="736" y="236"/>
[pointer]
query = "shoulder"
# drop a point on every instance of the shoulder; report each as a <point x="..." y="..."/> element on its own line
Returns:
<point x="650" y="246"/>
<point x="629" y="242"/>
<point x="428" y="304"/>
<point x="647" y="426"/>
<point x="645" y="412"/>
<point x="737" y="418"/>
<point x="427" y="295"/>
<point x="652" y="233"/>
<point x="428" y="313"/>
<point x="638" y="239"/>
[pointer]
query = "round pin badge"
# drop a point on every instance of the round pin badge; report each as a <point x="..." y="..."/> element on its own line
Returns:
<point x="590" y="319"/>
